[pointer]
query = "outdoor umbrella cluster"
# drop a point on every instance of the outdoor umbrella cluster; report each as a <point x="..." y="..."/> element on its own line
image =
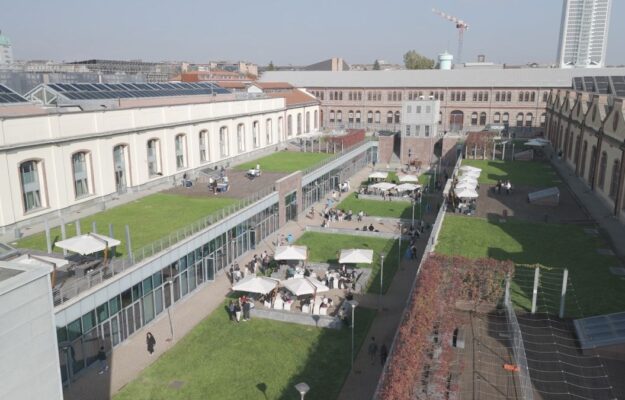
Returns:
<point x="378" y="175"/>
<point x="384" y="186"/>
<point x="468" y="182"/>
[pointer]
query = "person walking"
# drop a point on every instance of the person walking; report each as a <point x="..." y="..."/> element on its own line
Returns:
<point x="104" y="366"/>
<point x="151" y="342"/>
<point x="373" y="349"/>
<point x="383" y="354"/>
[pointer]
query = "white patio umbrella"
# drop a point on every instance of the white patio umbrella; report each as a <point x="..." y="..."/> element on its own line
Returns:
<point x="304" y="286"/>
<point x="255" y="284"/>
<point x="535" y="143"/>
<point x="356" y="256"/>
<point x="405" y="187"/>
<point x="378" y="175"/>
<point x="88" y="244"/>
<point x="291" y="253"/>
<point x="470" y="168"/>
<point x="467" y="194"/>
<point x="466" y="185"/>
<point x="382" y="186"/>
<point x="471" y="173"/>
<point x="467" y="178"/>
<point x="408" y="178"/>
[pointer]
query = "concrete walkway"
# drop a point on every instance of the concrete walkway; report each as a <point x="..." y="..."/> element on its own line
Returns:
<point x="131" y="357"/>
<point x="598" y="208"/>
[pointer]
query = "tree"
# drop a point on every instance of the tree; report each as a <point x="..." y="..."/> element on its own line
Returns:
<point x="271" y="67"/>
<point x="414" y="60"/>
<point x="376" y="65"/>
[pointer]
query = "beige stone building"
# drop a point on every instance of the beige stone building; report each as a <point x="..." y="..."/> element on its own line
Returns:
<point x="587" y="131"/>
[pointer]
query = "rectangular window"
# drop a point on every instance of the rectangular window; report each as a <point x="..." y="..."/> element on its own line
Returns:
<point x="417" y="130"/>
<point x="30" y="185"/>
<point x="418" y="109"/>
<point x="427" y="130"/>
<point x="408" y="109"/>
<point x="407" y="130"/>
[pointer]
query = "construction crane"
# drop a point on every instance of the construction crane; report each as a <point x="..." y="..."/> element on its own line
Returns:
<point x="460" y="25"/>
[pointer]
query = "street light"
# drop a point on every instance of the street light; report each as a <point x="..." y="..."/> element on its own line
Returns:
<point x="413" y="203"/>
<point x="353" y="304"/>
<point x="171" y="304"/>
<point x="381" y="280"/>
<point x="302" y="388"/>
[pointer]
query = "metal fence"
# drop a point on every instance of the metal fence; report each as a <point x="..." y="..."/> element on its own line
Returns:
<point x="518" y="348"/>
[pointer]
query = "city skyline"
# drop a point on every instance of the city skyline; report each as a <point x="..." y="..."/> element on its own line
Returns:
<point x="506" y="31"/>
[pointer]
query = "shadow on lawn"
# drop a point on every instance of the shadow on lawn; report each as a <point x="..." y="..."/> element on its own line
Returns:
<point x="329" y="360"/>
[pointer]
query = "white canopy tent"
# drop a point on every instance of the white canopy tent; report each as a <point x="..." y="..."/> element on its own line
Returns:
<point x="304" y="286"/>
<point x="378" y="175"/>
<point x="536" y="143"/>
<point x="469" y="168"/>
<point x="356" y="256"/>
<point x="467" y="194"/>
<point x="408" y="178"/>
<point x="406" y="187"/>
<point x="466" y="185"/>
<point x="256" y="284"/>
<point x="383" y="186"/>
<point x="291" y="253"/>
<point x="88" y="244"/>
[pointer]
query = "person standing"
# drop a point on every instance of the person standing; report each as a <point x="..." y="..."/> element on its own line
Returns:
<point x="383" y="354"/>
<point x="151" y="342"/>
<point x="373" y="349"/>
<point x="246" y="310"/>
<point x="237" y="311"/>
<point x="104" y="366"/>
<point x="231" y="310"/>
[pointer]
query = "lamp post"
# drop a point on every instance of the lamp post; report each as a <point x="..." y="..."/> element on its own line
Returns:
<point x="353" y="304"/>
<point x="171" y="304"/>
<point x="302" y="388"/>
<point x="413" y="203"/>
<point x="399" y="249"/>
<point x="381" y="280"/>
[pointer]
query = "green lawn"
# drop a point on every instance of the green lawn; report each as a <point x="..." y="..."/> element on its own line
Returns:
<point x="379" y="208"/>
<point x="325" y="247"/>
<point x="595" y="289"/>
<point x="149" y="218"/>
<point x="285" y="161"/>
<point x="259" y="359"/>
<point x="525" y="173"/>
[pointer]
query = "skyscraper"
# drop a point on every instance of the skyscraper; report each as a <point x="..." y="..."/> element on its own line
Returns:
<point x="584" y="33"/>
<point x="6" y="53"/>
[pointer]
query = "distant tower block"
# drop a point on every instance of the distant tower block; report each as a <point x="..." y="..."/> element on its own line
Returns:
<point x="445" y="60"/>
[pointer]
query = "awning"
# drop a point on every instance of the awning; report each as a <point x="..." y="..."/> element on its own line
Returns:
<point x="356" y="256"/>
<point x="291" y="253"/>
<point x="408" y="178"/>
<point x="378" y="175"/>
<point x="255" y="284"/>
<point x="467" y="194"/>
<point x="87" y="244"/>
<point x="382" y="186"/>
<point x="304" y="286"/>
<point x="405" y="187"/>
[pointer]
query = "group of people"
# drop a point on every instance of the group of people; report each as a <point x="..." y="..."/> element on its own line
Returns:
<point x="373" y="351"/>
<point x="259" y="263"/>
<point x="344" y="187"/>
<point x="335" y="215"/>
<point x="239" y="308"/>
<point x="503" y="185"/>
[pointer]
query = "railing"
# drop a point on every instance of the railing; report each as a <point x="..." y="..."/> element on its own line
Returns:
<point x="337" y="155"/>
<point x="518" y="349"/>
<point x="119" y="265"/>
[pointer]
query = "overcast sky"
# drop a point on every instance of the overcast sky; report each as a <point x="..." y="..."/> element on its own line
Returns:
<point x="288" y="31"/>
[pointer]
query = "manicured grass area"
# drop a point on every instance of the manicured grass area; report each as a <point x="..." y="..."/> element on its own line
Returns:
<point x="424" y="179"/>
<point x="379" y="208"/>
<point x="526" y="173"/>
<point x="595" y="290"/>
<point x="259" y="359"/>
<point x="325" y="247"/>
<point x="149" y="218"/>
<point x="285" y="161"/>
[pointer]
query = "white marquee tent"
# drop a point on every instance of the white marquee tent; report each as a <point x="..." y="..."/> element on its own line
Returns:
<point x="304" y="286"/>
<point x="255" y="284"/>
<point x="291" y="253"/>
<point x="356" y="256"/>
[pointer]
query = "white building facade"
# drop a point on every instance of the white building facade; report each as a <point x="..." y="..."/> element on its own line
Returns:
<point x="584" y="33"/>
<point x="420" y="120"/>
<point x="58" y="162"/>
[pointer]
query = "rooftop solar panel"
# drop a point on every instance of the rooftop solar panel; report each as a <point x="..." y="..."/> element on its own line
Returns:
<point x="8" y="96"/>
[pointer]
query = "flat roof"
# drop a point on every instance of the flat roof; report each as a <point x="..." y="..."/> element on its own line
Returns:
<point x="434" y="78"/>
<point x="6" y="273"/>
<point x="13" y="275"/>
<point x="601" y="330"/>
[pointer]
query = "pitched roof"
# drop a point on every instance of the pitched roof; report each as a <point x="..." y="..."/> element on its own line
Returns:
<point x="273" y="85"/>
<point x="470" y="77"/>
<point x="232" y="84"/>
<point x="295" y="97"/>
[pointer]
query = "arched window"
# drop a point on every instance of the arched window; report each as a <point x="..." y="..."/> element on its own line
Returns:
<point x="32" y="179"/>
<point x="464" y="96"/>
<point x="497" y="96"/>
<point x="256" y="134"/>
<point x="591" y="166"/>
<point x="603" y="165"/>
<point x="331" y="95"/>
<point x="307" y="121"/>
<point x="497" y="118"/>
<point x="223" y="141"/>
<point x="331" y="116"/>
<point x="527" y="96"/>
<point x="529" y="119"/>
<point x="280" y="122"/>
<point x="520" y="96"/>
<point x="316" y="120"/>
<point x="616" y="166"/>
<point x="120" y="163"/>
<point x="240" y="138"/>
<point x="474" y="119"/>
<point x="482" y="119"/>
<point x="299" y="123"/>
<point x="269" y="130"/>
<point x="204" y="155"/>
<point x="339" y="116"/>
<point x="181" y="150"/>
<point x="543" y="118"/>
<point x="369" y="117"/>
<point x="485" y="96"/>
<point x="340" y="95"/>
<point x="377" y="117"/>
<point x="81" y="170"/>
<point x="289" y="125"/>
<point x="154" y="157"/>
<point x="519" y="119"/>
<point x="389" y="117"/>
<point x="456" y="121"/>
<point x="505" y="118"/>
<point x="397" y="117"/>
<point x="358" y="117"/>
<point x="350" y="117"/>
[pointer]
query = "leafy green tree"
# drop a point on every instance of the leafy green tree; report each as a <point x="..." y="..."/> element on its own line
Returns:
<point x="414" y="60"/>
<point x="376" y="65"/>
